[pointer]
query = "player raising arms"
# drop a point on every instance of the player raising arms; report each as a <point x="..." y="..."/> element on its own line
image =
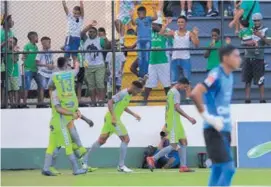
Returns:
<point x="217" y="91"/>
<point x="174" y="126"/>
<point x="117" y="105"/>
<point x="64" y="112"/>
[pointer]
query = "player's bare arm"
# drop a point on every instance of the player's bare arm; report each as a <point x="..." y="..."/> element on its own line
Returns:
<point x="82" y="8"/>
<point x="87" y="28"/>
<point x="194" y="35"/>
<point x="182" y="113"/>
<point x="110" y="104"/>
<point x="65" y="7"/>
<point x="132" y="17"/>
<point x="196" y="96"/>
<point x="164" y="27"/>
<point x="138" y="118"/>
<point x="155" y="16"/>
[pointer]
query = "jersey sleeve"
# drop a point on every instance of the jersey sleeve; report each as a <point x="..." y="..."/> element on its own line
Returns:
<point x="38" y="57"/>
<point x="212" y="80"/>
<point x="177" y="97"/>
<point x="119" y="96"/>
<point x="55" y="101"/>
<point x="149" y="18"/>
<point x="26" y="47"/>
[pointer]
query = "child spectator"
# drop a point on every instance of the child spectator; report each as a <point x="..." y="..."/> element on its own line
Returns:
<point x="75" y="23"/>
<point x="144" y="27"/>
<point x="95" y="70"/>
<point x="30" y="67"/>
<point x="246" y="35"/>
<point x="45" y="65"/>
<point x="102" y="34"/>
<point x="213" y="54"/>
<point x="119" y="65"/>
<point x="124" y="18"/>
<point x="13" y="73"/>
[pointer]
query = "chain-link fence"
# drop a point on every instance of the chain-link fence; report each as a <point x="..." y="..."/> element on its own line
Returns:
<point x="49" y="19"/>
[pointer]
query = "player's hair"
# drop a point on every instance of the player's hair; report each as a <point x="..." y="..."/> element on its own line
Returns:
<point x="183" y="81"/>
<point x="101" y="29"/>
<point x="226" y="51"/>
<point x="61" y="61"/>
<point x="183" y="17"/>
<point x="141" y="9"/>
<point x="77" y="8"/>
<point x="45" y="38"/>
<point x="216" y="30"/>
<point x="244" y="23"/>
<point x="137" y="84"/>
<point x="30" y="34"/>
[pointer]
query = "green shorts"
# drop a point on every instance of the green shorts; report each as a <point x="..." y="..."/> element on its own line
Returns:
<point x="13" y="84"/>
<point x="95" y="77"/>
<point x="109" y="128"/>
<point x="176" y="133"/>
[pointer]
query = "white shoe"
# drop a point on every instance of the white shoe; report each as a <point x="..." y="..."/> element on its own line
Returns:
<point x="83" y="164"/>
<point x="124" y="169"/>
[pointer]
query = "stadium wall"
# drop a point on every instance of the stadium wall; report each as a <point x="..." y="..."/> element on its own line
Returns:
<point x="24" y="134"/>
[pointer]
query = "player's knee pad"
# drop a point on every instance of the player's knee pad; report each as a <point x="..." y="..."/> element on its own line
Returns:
<point x="68" y="150"/>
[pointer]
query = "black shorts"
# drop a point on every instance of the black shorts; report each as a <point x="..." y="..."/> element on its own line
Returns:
<point x="253" y="69"/>
<point x="3" y="78"/>
<point x="81" y="75"/>
<point x="218" y="145"/>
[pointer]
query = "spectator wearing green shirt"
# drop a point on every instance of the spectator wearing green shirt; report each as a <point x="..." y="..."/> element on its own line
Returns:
<point x="30" y="67"/>
<point x="95" y="70"/>
<point x="244" y="10"/>
<point x="13" y="73"/>
<point x="8" y="23"/>
<point x="213" y="54"/>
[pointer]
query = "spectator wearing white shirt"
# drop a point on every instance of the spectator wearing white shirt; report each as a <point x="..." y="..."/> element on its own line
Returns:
<point x="45" y="66"/>
<point x="119" y="65"/>
<point x="75" y="23"/>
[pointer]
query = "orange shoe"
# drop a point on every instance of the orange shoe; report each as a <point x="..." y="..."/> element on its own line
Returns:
<point x="185" y="169"/>
<point x="151" y="163"/>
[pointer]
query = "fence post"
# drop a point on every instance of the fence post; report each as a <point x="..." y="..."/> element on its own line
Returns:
<point x="222" y="21"/>
<point x="6" y="53"/>
<point x="113" y="50"/>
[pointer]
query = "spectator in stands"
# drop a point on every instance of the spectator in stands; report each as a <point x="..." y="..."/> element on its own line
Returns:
<point x="119" y="65"/>
<point x="244" y="11"/>
<point x="30" y="66"/>
<point x="213" y="54"/>
<point x="45" y="66"/>
<point x="102" y="34"/>
<point x="13" y="73"/>
<point x="254" y="67"/>
<point x="95" y="71"/>
<point x="124" y="18"/>
<point x="8" y="23"/>
<point x="189" y="8"/>
<point x="75" y="23"/>
<point x="159" y="68"/>
<point x="181" y="59"/>
<point x="144" y="27"/>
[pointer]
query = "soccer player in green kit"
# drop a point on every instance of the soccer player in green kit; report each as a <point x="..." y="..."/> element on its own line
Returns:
<point x="117" y="105"/>
<point x="64" y="112"/>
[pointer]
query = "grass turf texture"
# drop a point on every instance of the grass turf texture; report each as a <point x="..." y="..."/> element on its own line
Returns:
<point x="140" y="177"/>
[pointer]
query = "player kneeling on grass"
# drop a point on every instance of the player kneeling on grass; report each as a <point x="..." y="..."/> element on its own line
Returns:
<point x="174" y="127"/>
<point x="117" y="105"/>
<point x="64" y="111"/>
<point x="216" y="90"/>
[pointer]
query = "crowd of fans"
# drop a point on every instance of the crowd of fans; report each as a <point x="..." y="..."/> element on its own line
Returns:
<point x="96" y="68"/>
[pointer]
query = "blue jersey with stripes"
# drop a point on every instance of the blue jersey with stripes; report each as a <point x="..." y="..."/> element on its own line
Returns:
<point x="217" y="99"/>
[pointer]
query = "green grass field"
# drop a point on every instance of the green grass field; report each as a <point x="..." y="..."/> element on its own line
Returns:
<point x="140" y="177"/>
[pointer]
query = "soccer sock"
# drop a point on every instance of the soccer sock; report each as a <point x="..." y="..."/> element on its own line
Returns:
<point x="75" y="136"/>
<point x="47" y="162"/>
<point x="215" y="175"/>
<point x="227" y="173"/>
<point x="74" y="163"/>
<point x="91" y="149"/>
<point x="182" y="154"/>
<point x="56" y="151"/>
<point x="123" y="151"/>
<point x="163" y="152"/>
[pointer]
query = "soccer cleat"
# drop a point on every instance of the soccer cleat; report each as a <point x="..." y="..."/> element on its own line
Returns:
<point x="185" y="169"/>
<point x="48" y="173"/>
<point x="124" y="169"/>
<point x="90" y="169"/>
<point x="54" y="170"/>
<point x="151" y="163"/>
<point x="80" y="172"/>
